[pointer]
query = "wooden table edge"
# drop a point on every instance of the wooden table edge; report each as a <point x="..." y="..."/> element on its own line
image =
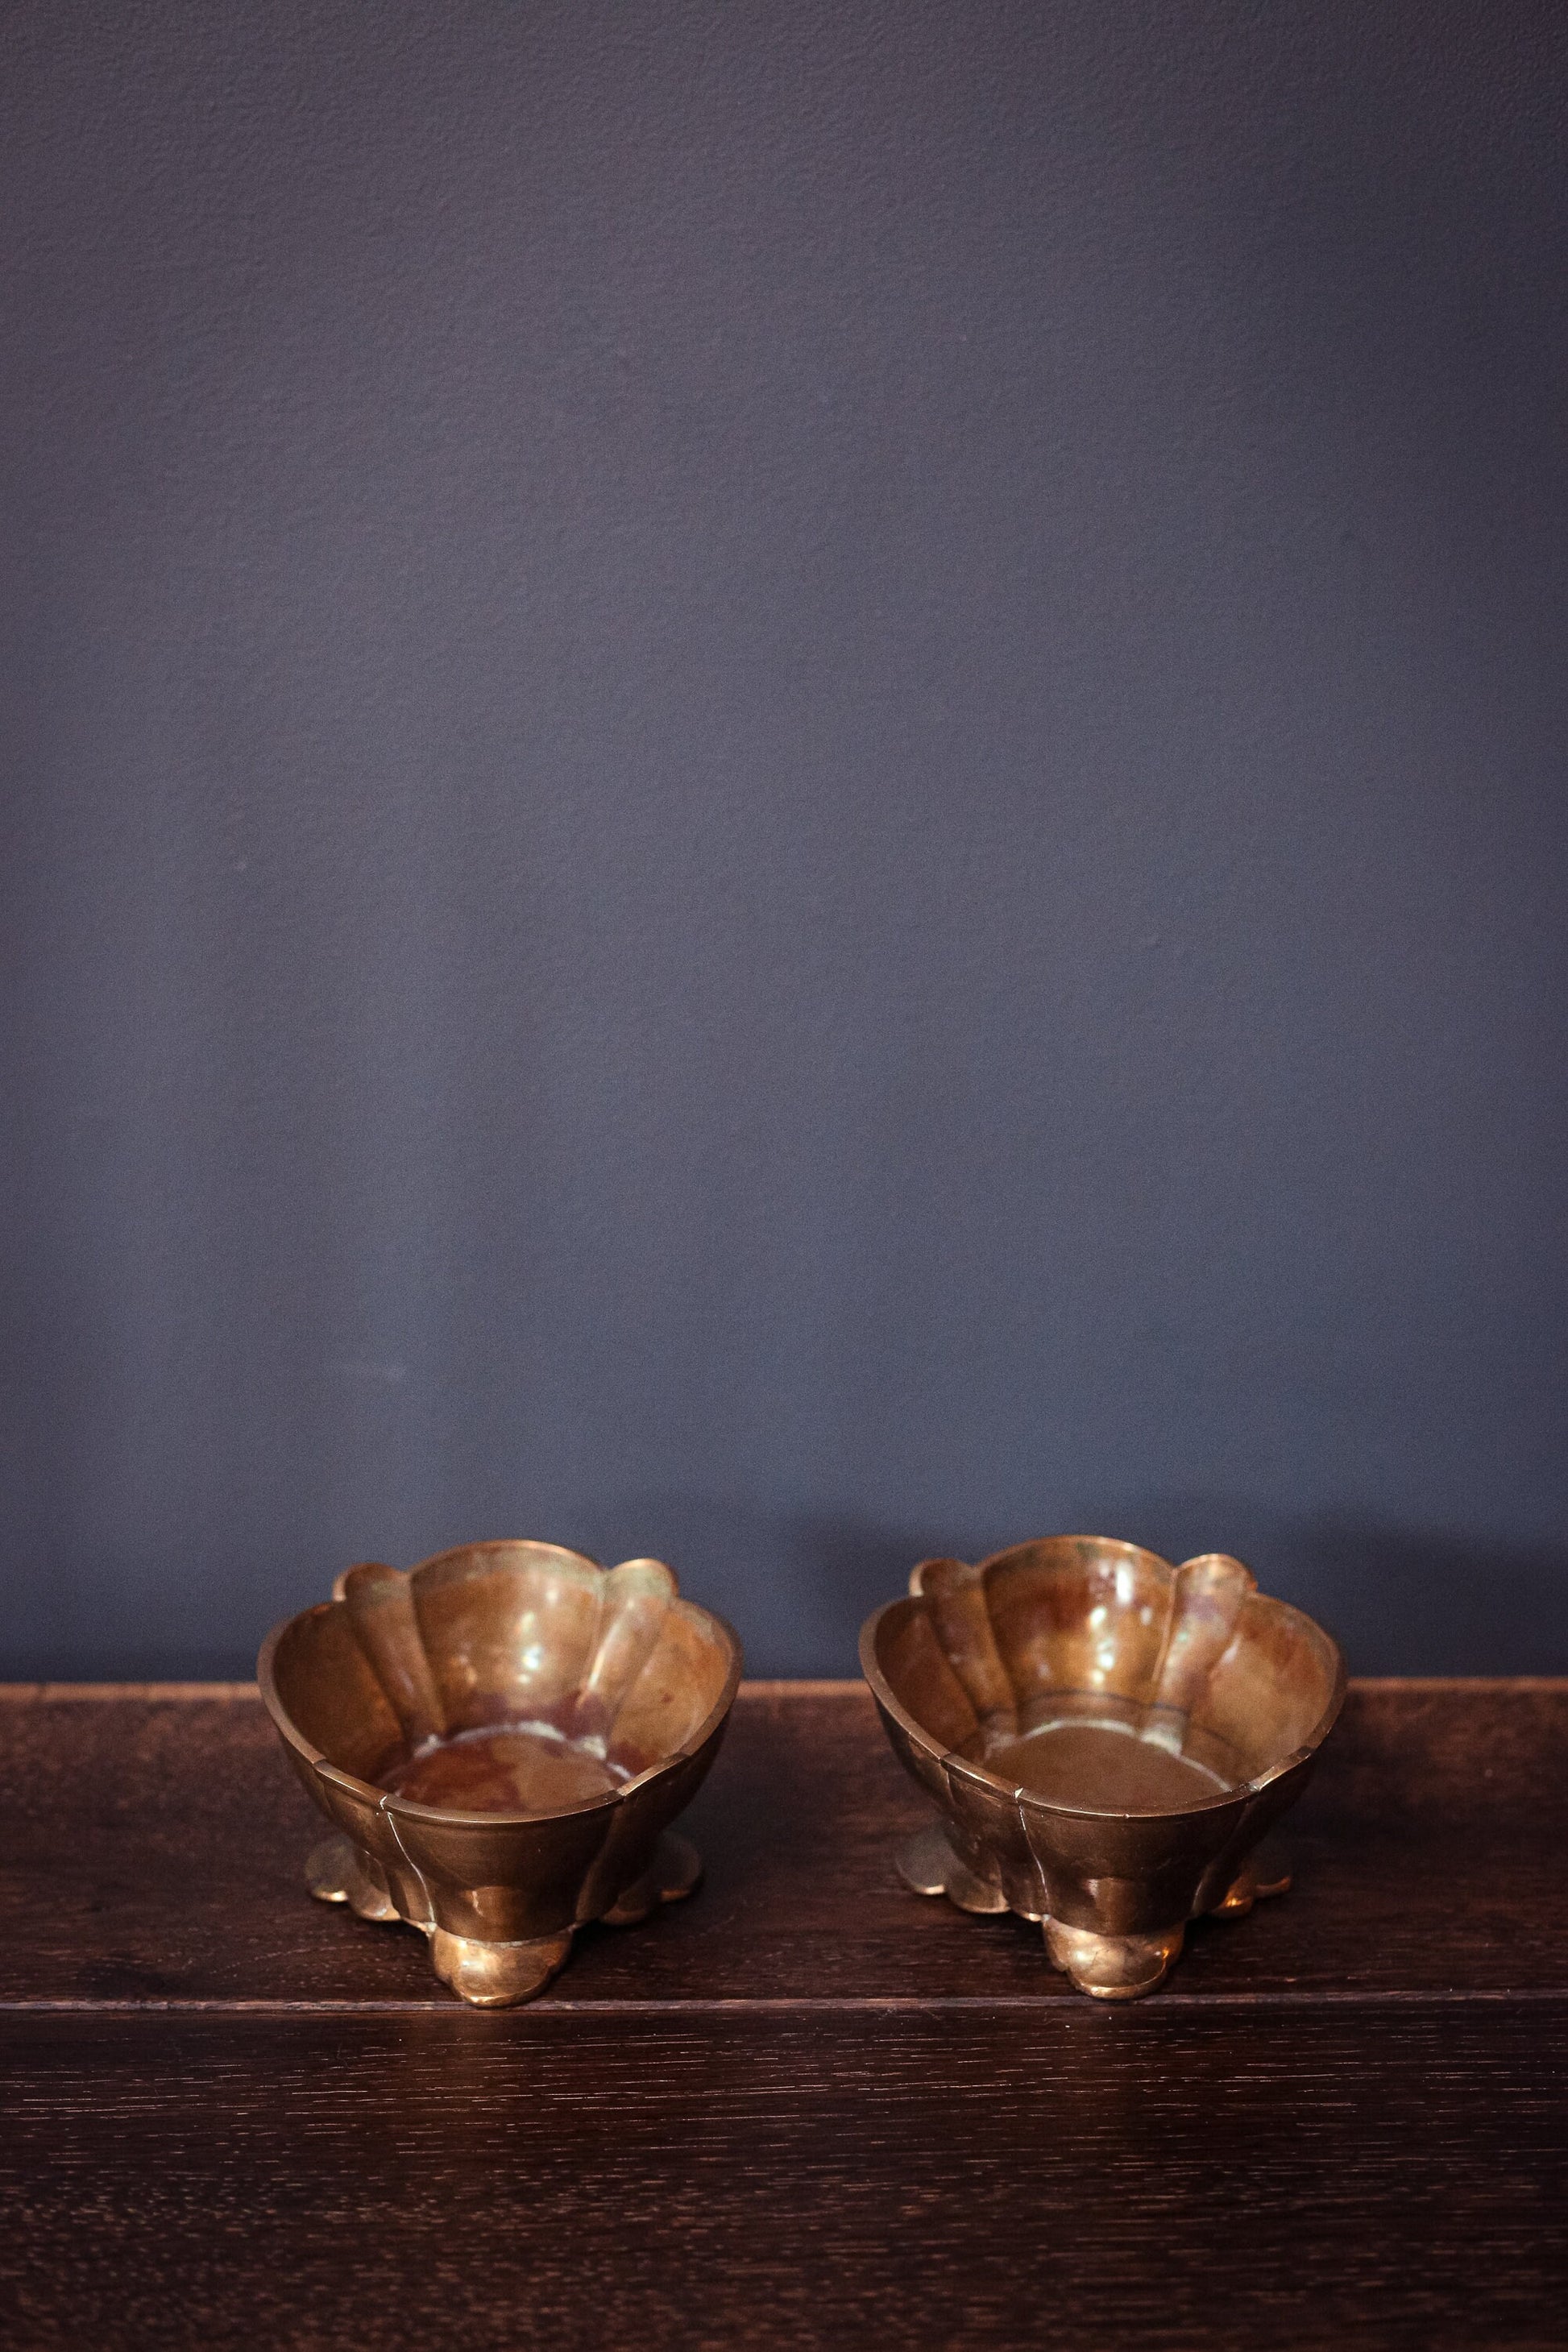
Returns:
<point x="763" y="1687"/>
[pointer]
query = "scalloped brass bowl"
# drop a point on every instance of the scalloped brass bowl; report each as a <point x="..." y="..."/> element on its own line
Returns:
<point x="1107" y="1739"/>
<point x="501" y="1737"/>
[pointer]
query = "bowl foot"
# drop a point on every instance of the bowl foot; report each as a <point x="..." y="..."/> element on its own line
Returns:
<point x="337" y="1871"/>
<point x="494" y="1975"/>
<point x="1265" y="1871"/>
<point x="497" y="1976"/>
<point x="670" y="1876"/>
<point x="1107" y="1967"/>
<point x="928" y="1863"/>
<point x="1111" y="1968"/>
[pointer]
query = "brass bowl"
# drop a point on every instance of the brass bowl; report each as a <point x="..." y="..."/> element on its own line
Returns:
<point x="501" y="1737"/>
<point x="1107" y="1739"/>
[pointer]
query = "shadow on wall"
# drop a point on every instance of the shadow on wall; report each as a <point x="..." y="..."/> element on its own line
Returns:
<point x="795" y="1585"/>
<point x="1458" y="1608"/>
<point x="1397" y="1598"/>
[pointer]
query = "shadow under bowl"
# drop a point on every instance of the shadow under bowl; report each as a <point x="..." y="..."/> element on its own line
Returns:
<point x="1107" y="1739"/>
<point x="501" y="1737"/>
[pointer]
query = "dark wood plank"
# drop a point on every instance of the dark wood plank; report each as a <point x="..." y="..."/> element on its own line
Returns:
<point x="152" y="1850"/>
<point x="1180" y="2177"/>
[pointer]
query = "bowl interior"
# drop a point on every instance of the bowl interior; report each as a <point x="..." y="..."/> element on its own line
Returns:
<point x="1086" y="1637"/>
<point x="591" y="1675"/>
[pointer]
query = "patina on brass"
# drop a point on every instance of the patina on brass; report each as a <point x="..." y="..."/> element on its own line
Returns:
<point x="1107" y="1738"/>
<point x="560" y="1713"/>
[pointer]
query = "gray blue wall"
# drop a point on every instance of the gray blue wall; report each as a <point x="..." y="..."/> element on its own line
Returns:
<point x="784" y="783"/>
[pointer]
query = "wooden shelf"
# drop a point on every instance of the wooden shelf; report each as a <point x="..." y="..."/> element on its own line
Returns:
<point x="806" y="2107"/>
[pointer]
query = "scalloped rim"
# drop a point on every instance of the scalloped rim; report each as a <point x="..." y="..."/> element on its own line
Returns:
<point x="944" y="1757"/>
<point x="384" y="1801"/>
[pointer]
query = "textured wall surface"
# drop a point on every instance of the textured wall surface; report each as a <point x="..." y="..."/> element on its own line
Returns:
<point x="784" y="784"/>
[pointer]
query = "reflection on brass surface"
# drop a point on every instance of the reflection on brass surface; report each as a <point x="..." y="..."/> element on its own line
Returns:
<point x="1107" y="1738"/>
<point x="501" y="1737"/>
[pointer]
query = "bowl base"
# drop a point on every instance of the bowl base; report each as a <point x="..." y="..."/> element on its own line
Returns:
<point x="494" y="1975"/>
<point x="1111" y="1968"/>
<point x="1107" y="1967"/>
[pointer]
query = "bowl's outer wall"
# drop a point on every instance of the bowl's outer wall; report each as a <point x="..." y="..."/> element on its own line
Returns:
<point x="516" y="1881"/>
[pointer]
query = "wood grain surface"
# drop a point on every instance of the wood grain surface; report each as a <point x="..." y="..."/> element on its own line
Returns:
<point x="154" y="1849"/>
<point x="805" y="2108"/>
<point x="1183" y="2177"/>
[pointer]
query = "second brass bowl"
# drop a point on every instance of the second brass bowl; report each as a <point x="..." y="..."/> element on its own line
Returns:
<point x="1107" y="1739"/>
<point x="501" y="1737"/>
